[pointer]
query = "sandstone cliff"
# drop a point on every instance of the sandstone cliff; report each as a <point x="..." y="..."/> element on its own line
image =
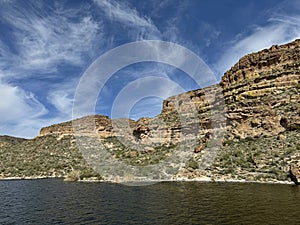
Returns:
<point x="255" y="109"/>
<point x="261" y="93"/>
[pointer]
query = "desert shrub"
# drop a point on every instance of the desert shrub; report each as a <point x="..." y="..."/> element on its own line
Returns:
<point x="193" y="164"/>
<point x="74" y="175"/>
<point x="88" y="173"/>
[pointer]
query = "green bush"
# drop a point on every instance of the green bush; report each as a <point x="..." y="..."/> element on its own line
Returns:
<point x="193" y="164"/>
<point x="73" y="176"/>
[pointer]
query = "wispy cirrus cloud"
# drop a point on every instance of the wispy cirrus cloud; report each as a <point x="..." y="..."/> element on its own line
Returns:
<point x="43" y="42"/>
<point x="138" y="27"/>
<point x="17" y="104"/>
<point x="18" y="108"/>
<point x="126" y="102"/>
<point x="279" y="29"/>
<point x="38" y="40"/>
<point x="61" y="97"/>
<point x="122" y="13"/>
<point x="46" y="46"/>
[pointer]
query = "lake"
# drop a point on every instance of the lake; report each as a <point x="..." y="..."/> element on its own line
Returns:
<point x="53" y="201"/>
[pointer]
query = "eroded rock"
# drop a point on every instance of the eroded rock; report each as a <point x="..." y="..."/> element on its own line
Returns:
<point x="295" y="173"/>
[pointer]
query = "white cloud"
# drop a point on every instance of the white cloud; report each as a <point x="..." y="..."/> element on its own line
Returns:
<point x="17" y="104"/>
<point x="279" y="30"/>
<point x="130" y="17"/>
<point x="46" y="44"/>
<point x="120" y="12"/>
<point x="146" y="107"/>
<point x="21" y="113"/>
<point x="40" y="42"/>
<point x="19" y="107"/>
<point x="61" y="96"/>
<point x="62" y="101"/>
<point x="150" y="87"/>
<point x="43" y="43"/>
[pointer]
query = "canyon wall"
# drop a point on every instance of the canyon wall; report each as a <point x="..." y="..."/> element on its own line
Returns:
<point x="258" y="96"/>
<point x="253" y="114"/>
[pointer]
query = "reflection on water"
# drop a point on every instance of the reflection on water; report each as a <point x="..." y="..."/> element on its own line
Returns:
<point x="52" y="201"/>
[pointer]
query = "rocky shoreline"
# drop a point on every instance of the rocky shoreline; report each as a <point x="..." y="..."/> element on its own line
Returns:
<point x="200" y="179"/>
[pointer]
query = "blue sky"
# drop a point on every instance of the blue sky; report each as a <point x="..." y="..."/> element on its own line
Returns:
<point x="46" y="46"/>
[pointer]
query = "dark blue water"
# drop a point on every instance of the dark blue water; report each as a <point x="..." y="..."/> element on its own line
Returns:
<point x="52" y="201"/>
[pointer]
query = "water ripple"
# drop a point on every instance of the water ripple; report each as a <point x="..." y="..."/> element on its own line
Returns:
<point x="52" y="201"/>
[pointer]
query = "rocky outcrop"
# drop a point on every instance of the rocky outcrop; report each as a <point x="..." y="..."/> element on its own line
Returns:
<point x="62" y="128"/>
<point x="268" y="61"/>
<point x="262" y="92"/>
<point x="295" y="173"/>
<point x="97" y="123"/>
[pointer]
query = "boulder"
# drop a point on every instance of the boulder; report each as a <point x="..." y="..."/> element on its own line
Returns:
<point x="295" y="173"/>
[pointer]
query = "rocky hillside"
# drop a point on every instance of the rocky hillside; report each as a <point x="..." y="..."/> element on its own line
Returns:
<point x="8" y="140"/>
<point x="253" y="115"/>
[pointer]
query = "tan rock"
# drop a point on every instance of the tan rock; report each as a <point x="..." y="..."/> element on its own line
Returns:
<point x="295" y="173"/>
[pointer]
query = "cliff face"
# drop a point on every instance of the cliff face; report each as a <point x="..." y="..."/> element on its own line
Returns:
<point x="101" y="124"/>
<point x="261" y="93"/>
<point x="257" y="104"/>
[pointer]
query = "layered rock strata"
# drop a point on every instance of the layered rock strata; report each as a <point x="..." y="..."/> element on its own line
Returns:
<point x="261" y="93"/>
<point x="257" y="101"/>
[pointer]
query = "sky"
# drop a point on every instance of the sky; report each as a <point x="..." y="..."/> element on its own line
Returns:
<point x="47" y="46"/>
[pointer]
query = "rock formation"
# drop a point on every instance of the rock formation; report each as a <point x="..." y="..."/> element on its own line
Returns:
<point x="256" y="107"/>
<point x="295" y="173"/>
<point x="261" y="93"/>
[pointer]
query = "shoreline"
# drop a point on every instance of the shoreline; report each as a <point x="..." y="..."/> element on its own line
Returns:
<point x="29" y="178"/>
<point x="235" y="181"/>
<point x="200" y="180"/>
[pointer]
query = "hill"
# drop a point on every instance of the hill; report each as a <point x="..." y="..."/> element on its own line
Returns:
<point x="246" y="127"/>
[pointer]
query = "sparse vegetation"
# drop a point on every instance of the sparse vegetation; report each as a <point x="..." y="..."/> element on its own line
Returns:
<point x="265" y="158"/>
<point x="262" y="125"/>
<point x="137" y="154"/>
<point x="192" y="164"/>
<point x="46" y="156"/>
